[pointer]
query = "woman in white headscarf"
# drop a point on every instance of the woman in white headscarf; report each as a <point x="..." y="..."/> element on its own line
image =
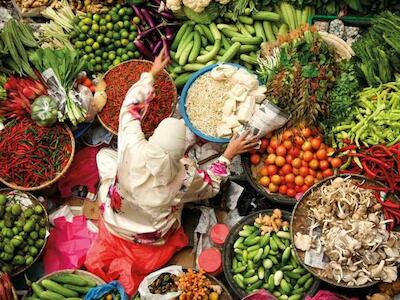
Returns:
<point x="143" y="188"/>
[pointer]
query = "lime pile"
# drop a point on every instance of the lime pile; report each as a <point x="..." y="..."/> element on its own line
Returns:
<point x="22" y="235"/>
<point x="105" y="40"/>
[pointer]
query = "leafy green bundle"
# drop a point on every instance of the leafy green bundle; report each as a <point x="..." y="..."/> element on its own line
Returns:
<point x="378" y="51"/>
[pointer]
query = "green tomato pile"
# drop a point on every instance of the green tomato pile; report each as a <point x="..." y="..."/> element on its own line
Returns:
<point x="22" y="235"/>
<point x="105" y="40"/>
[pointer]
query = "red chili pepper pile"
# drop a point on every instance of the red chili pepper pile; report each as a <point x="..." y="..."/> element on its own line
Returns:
<point x="120" y="79"/>
<point x="391" y="211"/>
<point x="377" y="162"/>
<point x="21" y="92"/>
<point x="31" y="155"/>
<point x="5" y="287"/>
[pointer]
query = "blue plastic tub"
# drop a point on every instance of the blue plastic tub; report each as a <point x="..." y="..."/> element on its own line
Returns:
<point x="182" y="105"/>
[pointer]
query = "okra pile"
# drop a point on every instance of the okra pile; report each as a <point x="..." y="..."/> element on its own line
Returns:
<point x="268" y="261"/>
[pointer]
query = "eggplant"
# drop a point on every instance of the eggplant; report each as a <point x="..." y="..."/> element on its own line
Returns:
<point x="169" y="33"/>
<point x="147" y="17"/>
<point x="138" y="13"/>
<point x="143" y="49"/>
<point x="157" y="47"/>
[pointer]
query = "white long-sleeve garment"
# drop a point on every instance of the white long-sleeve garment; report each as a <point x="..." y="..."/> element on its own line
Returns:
<point x="148" y="212"/>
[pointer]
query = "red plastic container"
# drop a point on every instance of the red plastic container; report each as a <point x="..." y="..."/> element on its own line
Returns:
<point x="210" y="260"/>
<point x="218" y="234"/>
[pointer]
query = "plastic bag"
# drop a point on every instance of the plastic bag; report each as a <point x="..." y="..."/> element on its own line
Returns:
<point x="111" y="257"/>
<point x="144" y="292"/>
<point x="267" y="119"/>
<point x="102" y="290"/>
<point x="68" y="244"/>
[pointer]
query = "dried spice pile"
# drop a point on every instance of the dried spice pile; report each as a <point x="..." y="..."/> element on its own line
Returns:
<point x="120" y="79"/>
<point x="31" y="155"/>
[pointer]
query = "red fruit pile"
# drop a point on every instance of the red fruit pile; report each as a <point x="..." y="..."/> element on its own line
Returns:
<point x="293" y="161"/>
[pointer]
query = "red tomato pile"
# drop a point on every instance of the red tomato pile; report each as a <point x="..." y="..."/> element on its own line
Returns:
<point x="293" y="161"/>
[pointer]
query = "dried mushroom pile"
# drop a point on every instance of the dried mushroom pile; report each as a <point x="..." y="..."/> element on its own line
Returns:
<point x="347" y="223"/>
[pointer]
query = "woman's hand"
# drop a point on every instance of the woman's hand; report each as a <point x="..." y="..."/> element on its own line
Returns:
<point x="240" y="144"/>
<point x="160" y="62"/>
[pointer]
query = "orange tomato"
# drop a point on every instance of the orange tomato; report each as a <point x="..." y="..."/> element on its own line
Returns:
<point x="304" y="163"/>
<point x="314" y="164"/>
<point x="289" y="178"/>
<point x="316" y="143"/>
<point x="312" y="172"/>
<point x="264" y="144"/>
<point x="274" y="143"/>
<point x="272" y="170"/>
<point x="296" y="163"/>
<point x="291" y="192"/>
<point x="306" y="132"/>
<point x="304" y="171"/>
<point x="276" y="179"/>
<point x="330" y="151"/>
<point x="287" y="144"/>
<point x="309" y="180"/>
<point x="287" y="135"/>
<point x="281" y="150"/>
<point x="295" y="152"/>
<point x="336" y="162"/>
<point x="306" y="146"/>
<point x="271" y="159"/>
<point x="296" y="171"/>
<point x="308" y="156"/>
<point x="273" y="188"/>
<point x="298" y="140"/>
<point x="287" y="169"/>
<point x="270" y="150"/>
<point x="323" y="165"/>
<point x="299" y="180"/>
<point x="283" y="189"/>
<point x="289" y="159"/>
<point x="263" y="171"/>
<point x="265" y="181"/>
<point x="280" y="161"/>
<point x="319" y="175"/>
<point x="321" y="154"/>
<point x="327" y="173"/>
<point x="304" y="188"/>
<point x="255" y="159"/>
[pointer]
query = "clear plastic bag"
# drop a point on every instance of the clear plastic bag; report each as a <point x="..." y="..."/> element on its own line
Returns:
<point x="144" y="291"/>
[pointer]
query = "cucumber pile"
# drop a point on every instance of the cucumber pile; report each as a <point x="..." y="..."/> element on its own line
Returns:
<point x="62" y="286"/>
<point x="234" y="39"/>
<point x="269" y="262"/>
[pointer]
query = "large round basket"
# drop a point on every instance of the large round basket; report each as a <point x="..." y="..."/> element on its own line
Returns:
<point x="225" y="295"/>
<point x="301" y="223"/>
<point x="182" y="105"/>
<point x="34" y="201"/>
<point x="166" y="105"/>
<point x="82" y="273"/>
<point x="228" y="253"/>
<point x="53" y="180"/>
<point x="274" y="197"/>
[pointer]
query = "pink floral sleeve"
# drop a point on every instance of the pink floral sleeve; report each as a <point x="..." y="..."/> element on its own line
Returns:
<point x="202" y="184"/>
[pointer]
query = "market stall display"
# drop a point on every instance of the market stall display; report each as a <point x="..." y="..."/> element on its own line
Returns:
<point x="24" y="228"/>
<point x="289" y="163"/>
<point x="120" y="79"/>
<point x="64" y="284"/>
<point x="340" y="233"/>
<point x="33" y="157"/>
<point x="258" y="254"/>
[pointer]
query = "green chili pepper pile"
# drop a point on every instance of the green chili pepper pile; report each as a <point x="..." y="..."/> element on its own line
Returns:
<point x="376" y="118"/>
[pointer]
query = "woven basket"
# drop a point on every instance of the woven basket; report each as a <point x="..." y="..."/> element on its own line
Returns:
<point x="172" y="104"/>
<point x="300" y="223"/>
<point x="55" y="179"/>
<point x="35" y="201"/>
<point x="82" y="273"/>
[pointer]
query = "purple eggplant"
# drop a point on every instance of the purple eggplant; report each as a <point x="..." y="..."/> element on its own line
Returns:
<point x="169" y="33"/>
<point x="143" y="49"/>
<point x="157" y="47"/>
<point x="166" y="46"/>
<point x="147" y="17"/>
<point x="138" y="13"/>
<point x="156" y="2"/>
